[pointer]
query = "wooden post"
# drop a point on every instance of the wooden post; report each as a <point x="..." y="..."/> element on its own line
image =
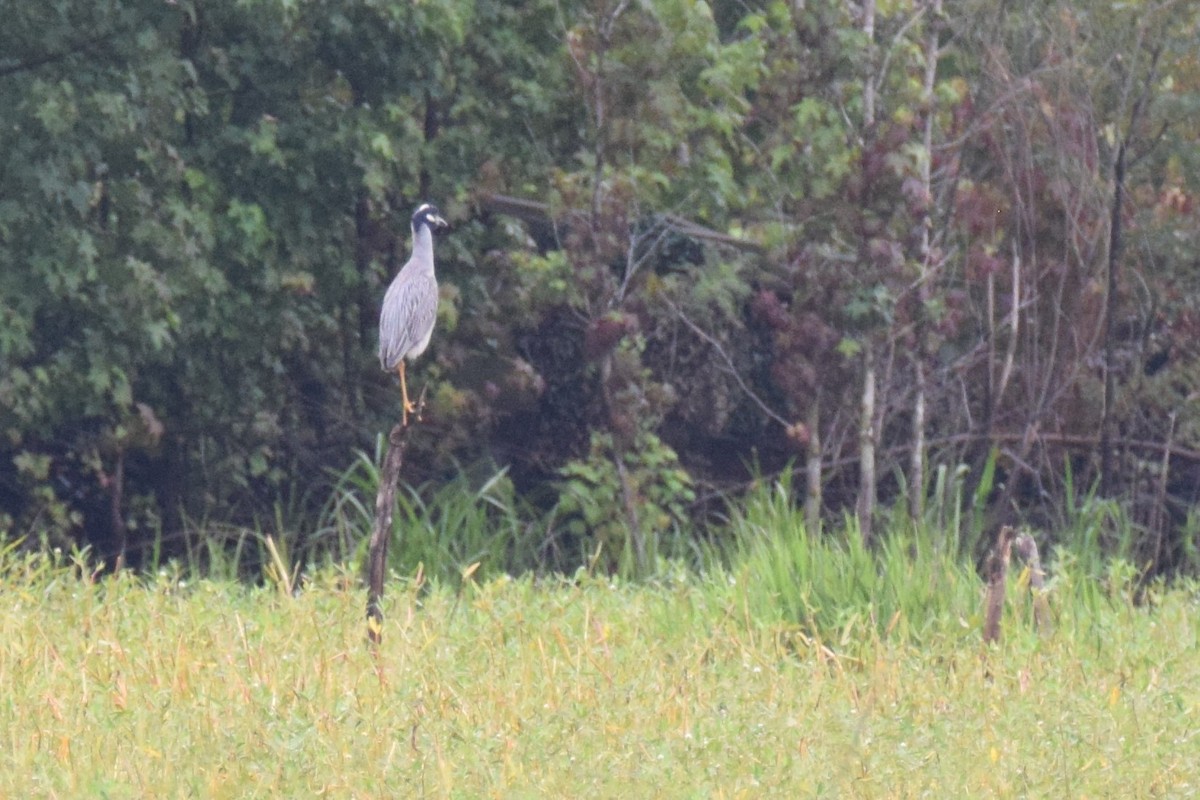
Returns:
<point x="1026" y="548"/>
<point x="385" y="504"/>
<point x="1008" y="541"/>
<point x="997" y="573"/>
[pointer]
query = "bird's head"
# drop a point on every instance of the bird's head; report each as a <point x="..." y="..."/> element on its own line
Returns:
<point x="429" y="216"/>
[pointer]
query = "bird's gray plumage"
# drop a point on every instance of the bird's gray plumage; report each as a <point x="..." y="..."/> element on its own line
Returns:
<point x="410" y="305"/>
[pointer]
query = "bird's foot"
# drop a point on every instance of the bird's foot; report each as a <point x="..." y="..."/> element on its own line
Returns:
<point x="409" y="408"/>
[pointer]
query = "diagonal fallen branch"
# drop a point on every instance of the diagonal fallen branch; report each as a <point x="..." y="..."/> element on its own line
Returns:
<point x="538" y="212"/>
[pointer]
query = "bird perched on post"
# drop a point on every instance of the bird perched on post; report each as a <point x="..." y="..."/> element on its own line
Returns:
<point x="410" y="305"/>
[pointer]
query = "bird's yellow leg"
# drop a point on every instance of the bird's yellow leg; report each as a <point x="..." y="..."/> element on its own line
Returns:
<point x="408" y="406"/>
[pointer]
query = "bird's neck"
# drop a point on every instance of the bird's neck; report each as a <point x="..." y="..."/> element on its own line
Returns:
<point x="423" y="246"/>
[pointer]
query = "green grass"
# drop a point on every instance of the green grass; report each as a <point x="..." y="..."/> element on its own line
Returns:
<point x="162" y="687"/>
<point x="442" y="527"/>
<point x="906" y="586"/>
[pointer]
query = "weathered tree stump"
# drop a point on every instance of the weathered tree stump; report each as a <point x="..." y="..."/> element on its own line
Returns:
<point x="1027" y="550"/>
<point x="385" y="505"/>
<point x="997" y="574"/>
<point x="1008" y="540"/>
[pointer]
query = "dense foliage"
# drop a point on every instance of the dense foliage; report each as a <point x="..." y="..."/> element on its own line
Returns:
<point x="689" y="241"/>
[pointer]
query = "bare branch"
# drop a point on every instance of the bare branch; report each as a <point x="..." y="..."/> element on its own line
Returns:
<point x="58" y="55"/>
<point x="729" y="366"/>
<point x="538" y="212"/>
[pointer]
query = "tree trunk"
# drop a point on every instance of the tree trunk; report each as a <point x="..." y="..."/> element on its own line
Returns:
<point x="868" y="17"/>
<point x="866" y="433"/>
<point x="629" y="502"/>
<point x="812" y="497"/>
<point x="916" y="469"/>
<point x="1107" y="456"/>
<point x="1115" y="242"/>
<point x="916" y="478"/>
<point x="866" y="448"/>
<point x="116" y="496"/>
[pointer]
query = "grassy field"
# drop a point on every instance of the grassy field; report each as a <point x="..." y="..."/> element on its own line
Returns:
<point x="518" y="688"/>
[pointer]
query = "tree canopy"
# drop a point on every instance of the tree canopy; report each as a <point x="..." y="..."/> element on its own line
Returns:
<point x="690" y="241"/>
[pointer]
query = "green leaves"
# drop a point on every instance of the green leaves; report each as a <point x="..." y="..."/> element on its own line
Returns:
<point x="597" y="500"/>
<point x="249" y="232"/>
<point x="200" y="209"/>
<point x="55" y="106"/>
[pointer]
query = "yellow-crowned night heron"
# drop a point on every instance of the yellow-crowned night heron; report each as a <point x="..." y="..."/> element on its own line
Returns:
<point x="410" y="305"/>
